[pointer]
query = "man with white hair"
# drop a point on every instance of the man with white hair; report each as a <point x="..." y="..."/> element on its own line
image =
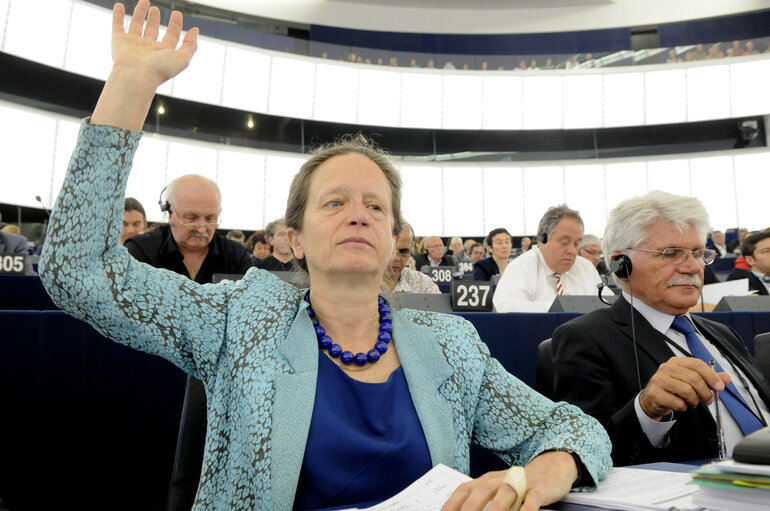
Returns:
<point x="642" y="367"/>
<point x="189" y="244"/>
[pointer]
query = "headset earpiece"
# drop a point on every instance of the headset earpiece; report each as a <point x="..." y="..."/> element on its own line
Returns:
<point x="165" y="207"/>
<point x="544" y="237"/>
<point x="621" y="266"/>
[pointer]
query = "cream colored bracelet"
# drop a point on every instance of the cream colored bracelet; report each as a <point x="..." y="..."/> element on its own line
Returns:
<point x="517" y="479"/>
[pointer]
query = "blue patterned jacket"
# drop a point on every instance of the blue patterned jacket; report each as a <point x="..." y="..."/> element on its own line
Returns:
<point x="254" y="347"/>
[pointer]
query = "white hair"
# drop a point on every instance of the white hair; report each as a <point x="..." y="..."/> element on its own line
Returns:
<point x="589" y="239"/>
<point x="629" y="220"/>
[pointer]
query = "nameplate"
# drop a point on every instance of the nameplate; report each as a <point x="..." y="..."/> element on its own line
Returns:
<point x="465" y="267"/>
<point x="12" y="263"/>
<point x="473" y="296"/>
<point x="441" y="274"/>
<point x="759" y="303"/>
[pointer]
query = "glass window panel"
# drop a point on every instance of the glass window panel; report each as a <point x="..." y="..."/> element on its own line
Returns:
<point x="542" y="102"/>
<point x="713" y="182"/>
<point x="623" y="99"/>
<point x="583" y="101"/>
<point x="66" y="136"/>
<point x="247" y="79"/>
<point x="751" y="187"/>
<point x="336" y="93"/>
<point x="624" y="180"/>
<point x="502" y="102"/>
<point x="23" y="133"/>
<point x="279" y="171"/>
<point x="462" y="102"/>
<point x="379" y="98"/>
<point x="24" y="27"/>
<point x="503" y="204"/>
<point x="421" y="95"/>
<point x="148" y="175"/>
<point x="184" y="158"/>
<point x="708" y="93"/>
<point x="543" y="188"/>
<point x="671" y="176"/>
<point x="421" y="201"/>
<point x="202" y="80"/>
<point x="88" y="47"/>
<point x="241" y="178"/>
<point x="748" y="96"/>
<point x="3" y="16"/>
<point x="584" y="191"/>
<point x="665" y="96"/>
<point x="291" y="88"/>
<point x="463" y="201"/>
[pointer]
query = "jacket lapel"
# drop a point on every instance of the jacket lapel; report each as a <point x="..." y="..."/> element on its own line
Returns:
<point x="426" y="369"/>
<point x="293" y="408"/>
<point x="648" y="340"/>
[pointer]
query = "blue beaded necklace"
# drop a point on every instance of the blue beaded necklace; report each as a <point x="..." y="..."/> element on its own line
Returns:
<point x="347" y="357"/>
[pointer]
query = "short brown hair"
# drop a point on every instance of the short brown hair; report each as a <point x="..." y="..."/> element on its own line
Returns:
<point x="346" y="144"/>
<point x="132" y="204"/>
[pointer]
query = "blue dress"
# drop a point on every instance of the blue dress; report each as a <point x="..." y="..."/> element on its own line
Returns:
<point x="365" y="443"/>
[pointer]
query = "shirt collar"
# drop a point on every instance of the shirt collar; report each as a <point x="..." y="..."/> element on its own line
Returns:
<point x="660" y="321"/>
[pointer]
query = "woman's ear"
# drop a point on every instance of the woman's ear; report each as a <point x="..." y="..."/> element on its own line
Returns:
<point x="295" y="242"/>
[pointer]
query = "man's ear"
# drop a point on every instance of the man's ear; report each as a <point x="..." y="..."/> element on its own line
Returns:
<point x="750" y="260"/>
<point x="295" y="242"/>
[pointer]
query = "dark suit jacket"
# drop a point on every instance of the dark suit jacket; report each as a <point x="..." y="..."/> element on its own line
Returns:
<point x="15" y="244"/>
<point x="485" y="269"/>
<point x="421" y="260"/>
<point x="594" y="368"/>
<point x="754" y="283"/>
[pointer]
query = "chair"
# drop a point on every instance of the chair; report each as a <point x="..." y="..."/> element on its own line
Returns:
<point x="762" y="352"/>
<point x="544" y="375"/>
<point x="189" y="448"/>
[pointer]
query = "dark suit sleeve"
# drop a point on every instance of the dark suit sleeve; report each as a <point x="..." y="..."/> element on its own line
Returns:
<point x="479" y="272"/>
<point x="586" y="377"/>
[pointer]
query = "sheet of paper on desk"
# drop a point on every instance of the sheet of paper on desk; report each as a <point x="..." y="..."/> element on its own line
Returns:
<point x="636" y="489"/>
<point x="712" y="293"/>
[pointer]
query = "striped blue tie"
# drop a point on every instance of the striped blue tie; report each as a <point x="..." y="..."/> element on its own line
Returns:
<point x="735" y="404"/>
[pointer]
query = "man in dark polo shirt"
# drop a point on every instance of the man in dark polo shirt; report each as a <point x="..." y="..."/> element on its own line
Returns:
<point x="189" y="244"/>
<point x="280" y="258"/>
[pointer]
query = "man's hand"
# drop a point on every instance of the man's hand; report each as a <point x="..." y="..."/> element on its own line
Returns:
<point x="549" y="478"/>
<point x="678" y="384"/>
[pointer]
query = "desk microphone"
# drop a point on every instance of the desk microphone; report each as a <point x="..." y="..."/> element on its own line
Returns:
<point x="47" y="211"/>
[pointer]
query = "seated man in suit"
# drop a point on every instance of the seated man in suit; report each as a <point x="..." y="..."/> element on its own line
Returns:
<point x="16" y="244"/>
<point x="435" y="255"/>
<point x="718" y="244"/>
<point x="756" y="252"/>
<point x="534" y="279"/>
<point x="635" y="374"/>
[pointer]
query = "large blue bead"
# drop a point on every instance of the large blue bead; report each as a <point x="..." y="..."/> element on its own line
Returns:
<point x="324" y="341"/>
<point x="335" y="350"/>
<point x="385" y="318"/>
<point x="383" y="308"/>
<point x="384" y="337"/>
<point x="347" y="357"/>
<point x="381" y="347"/>
<point x="380" y="300"/>
<point x="373" y="356"/>
<point x="386" y="327"/>
<point x="320" y="331"/>
<point x="361" y="359"/>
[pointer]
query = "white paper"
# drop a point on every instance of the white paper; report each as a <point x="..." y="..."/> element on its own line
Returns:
<point x="734" y="467"/>
<point x="712" y="293"/>
<point x="636" y="489"/>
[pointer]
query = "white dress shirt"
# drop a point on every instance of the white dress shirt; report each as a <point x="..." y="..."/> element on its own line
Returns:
<point x="528" y="283"/>
<point x="656" y="431"/>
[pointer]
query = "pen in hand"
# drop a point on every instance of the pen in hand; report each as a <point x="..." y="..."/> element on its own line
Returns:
<point x="722" y="448"/>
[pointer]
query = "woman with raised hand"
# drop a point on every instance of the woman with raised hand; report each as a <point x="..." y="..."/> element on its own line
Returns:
<point x="316" y="399"/>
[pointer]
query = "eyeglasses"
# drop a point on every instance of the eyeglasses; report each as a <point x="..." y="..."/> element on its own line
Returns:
<point x="592" y="252"/>
<point x="196" y="226"/>
<point x="679" y="255"/>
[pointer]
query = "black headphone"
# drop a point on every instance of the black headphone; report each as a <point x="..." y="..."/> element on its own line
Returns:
<point x="621" y="266"/>
<point x="164" y="204"/>
<point x="544" y="237"/>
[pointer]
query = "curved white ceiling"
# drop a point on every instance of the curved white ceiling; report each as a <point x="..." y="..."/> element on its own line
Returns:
<point x="486" y="16"/>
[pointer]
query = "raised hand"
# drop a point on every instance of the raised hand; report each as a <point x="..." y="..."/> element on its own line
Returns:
<point x="141" y="63"/>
